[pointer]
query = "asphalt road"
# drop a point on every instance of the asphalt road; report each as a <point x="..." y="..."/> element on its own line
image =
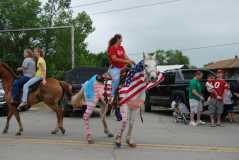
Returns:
<point x="158" y="138"/>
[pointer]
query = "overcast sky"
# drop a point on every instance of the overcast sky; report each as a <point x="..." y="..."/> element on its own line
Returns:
<point x="179" y="25"/>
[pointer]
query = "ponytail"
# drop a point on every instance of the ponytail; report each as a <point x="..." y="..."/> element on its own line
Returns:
<point x="113" y="41"/>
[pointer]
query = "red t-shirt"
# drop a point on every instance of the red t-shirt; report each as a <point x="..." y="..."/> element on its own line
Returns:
<point x="119" y="52"/>
<point x="219" y="85"/>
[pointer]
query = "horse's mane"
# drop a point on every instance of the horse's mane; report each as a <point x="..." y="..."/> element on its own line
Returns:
<point x="9" y="69"/>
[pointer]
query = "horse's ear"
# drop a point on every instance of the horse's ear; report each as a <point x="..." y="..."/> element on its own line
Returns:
<point x="145" y="56"/>
<point x="154" y="56"/>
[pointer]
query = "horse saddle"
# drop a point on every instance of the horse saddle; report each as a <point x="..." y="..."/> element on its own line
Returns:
<point x="35" y="86"/>
<point x="32" y="88"/>
<point x="123" y="74"/>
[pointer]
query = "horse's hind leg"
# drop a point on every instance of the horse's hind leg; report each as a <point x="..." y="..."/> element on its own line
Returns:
<point x="55" y="109"/>
<point x="132" y="115"/>
<point x="86" y="117"/>
<point x="104" y="109"/>
<point x="11" y="111"/>
<point x="56" y="130"/>
<point x="61" y="116"/>
<point x="17" y="116"/>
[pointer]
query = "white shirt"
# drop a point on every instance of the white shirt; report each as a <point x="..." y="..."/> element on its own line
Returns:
<point x="227" y="97"/>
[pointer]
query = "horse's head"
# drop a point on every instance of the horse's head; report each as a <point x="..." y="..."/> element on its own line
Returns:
<point x="6" y="71"/>
<point x="150" y="67"/>
<point x="1" y="69"/>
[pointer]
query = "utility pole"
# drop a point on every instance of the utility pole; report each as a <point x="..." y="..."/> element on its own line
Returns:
<point x="72" y="47"/>
<point x="48" y="28"/>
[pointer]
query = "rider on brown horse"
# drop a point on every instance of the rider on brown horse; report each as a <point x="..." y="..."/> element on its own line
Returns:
<point x="28" y="69"/>
<point x="40" y="75"/>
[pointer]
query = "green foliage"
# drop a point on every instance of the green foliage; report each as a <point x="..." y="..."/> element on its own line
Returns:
<point x="56" y="43"/>
<point x="171" y="57"/>
<point x="17" y="14"/>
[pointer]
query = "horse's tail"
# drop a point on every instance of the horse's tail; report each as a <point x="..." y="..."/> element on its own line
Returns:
<point x="67" y="89"/>
<point x="78" y="99"/>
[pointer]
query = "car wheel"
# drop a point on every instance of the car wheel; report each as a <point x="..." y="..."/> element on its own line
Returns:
<point x="3" y="110"/>
<point x="68" y="110"/>
<point x="147" y="104"/>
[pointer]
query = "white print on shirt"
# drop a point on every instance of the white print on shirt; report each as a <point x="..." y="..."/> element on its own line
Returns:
<point x="120" y="52"/>
<point x="217" y="85"/>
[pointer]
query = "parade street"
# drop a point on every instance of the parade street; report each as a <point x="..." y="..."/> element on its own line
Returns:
<point x="158" y="138"/>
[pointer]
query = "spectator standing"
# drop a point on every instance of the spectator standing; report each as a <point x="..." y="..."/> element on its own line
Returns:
<point x="228" y="103"/>
<point x="216" y="101"/>
<point x="196" y="98"/>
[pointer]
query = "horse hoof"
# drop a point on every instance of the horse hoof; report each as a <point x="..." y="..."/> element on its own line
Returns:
<point x="131" y="145"/>
<point x="63" y="131"/>
<point x="4" y="131"/>
<point x="118" y="145"/>
<point x="90" y="141"/>
<point x="54" y="132"/>
<point x="110" y="135"/>
<point x="18" y="134"/>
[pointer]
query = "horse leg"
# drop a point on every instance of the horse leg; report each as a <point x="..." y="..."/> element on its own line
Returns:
<point x="9" y="116"/>
<point x="17" y="116"/>
<point x="55" y="109"/>
<point x="104" y="109"/>
<point x="87" y="131"/>
<point x="56" y="130"/>
<point x="61" y="116"/>
<point x="124" y="113"/>
<point x="132" y="115"/>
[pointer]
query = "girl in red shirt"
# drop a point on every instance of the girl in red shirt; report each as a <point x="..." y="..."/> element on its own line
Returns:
<point x="118" y="59"/>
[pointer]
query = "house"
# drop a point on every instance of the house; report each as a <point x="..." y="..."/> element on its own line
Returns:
<point x="230" y="66"/>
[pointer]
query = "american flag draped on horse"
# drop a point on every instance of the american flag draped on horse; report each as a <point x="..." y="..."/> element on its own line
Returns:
<point x="136" y="83"/>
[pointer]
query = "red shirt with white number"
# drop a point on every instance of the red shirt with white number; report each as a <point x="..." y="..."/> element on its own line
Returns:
<point x="119" y="52"/>
<point x="219" y="85"/>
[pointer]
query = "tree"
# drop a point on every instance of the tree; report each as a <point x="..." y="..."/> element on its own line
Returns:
<point x="17" y="14"/>
<point x="171" y="57"/>
<point x="56" y="43"/>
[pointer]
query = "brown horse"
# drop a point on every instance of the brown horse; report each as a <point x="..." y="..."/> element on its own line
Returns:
<point x="51" y="94"/>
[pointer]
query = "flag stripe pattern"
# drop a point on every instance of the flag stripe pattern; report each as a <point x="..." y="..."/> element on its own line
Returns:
<point x="135" y="83"/>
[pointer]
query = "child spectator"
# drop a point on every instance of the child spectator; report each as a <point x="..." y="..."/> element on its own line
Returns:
<point x="210" y="86"/>
<point x="228" y="103"/>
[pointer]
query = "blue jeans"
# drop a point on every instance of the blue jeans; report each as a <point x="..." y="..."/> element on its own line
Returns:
<point x="17" y="85"/>
<point x="27" y="85"/>
<point x="115" y="74"/>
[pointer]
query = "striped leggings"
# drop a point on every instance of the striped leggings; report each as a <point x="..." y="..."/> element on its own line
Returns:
<point x="89" y="110"/>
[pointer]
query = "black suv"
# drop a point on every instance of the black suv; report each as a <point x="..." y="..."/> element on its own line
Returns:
<point x="77" y="77"/>
<point x="174" y="86"/>
<point x="3" y="104"/>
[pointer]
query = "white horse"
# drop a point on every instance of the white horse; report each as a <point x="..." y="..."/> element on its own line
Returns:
<point x="129" y="110"/>
<point x="149" y="68"/>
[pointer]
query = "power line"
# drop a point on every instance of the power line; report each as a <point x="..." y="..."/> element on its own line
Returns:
<point x="135" y="7"/>
<point x="33" y="29"/>
<point x="203" y="47"/>
<point x="91" y="4"/>
<point x="211" y="46"/>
